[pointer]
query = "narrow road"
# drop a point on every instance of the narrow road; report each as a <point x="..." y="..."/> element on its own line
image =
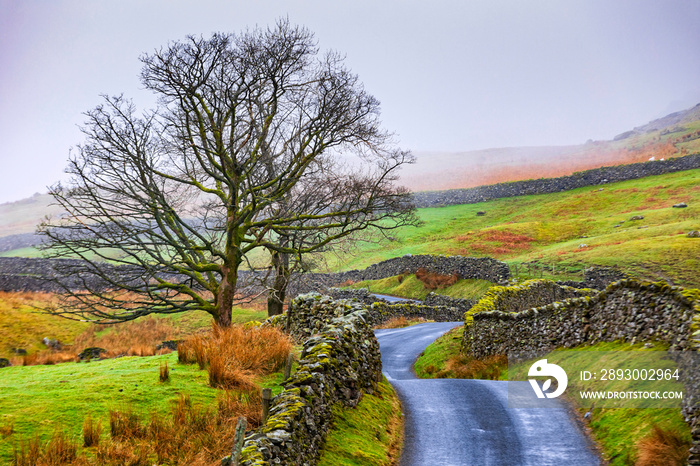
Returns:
<point x="392" y="299"/>
<point x="468" y="422"/>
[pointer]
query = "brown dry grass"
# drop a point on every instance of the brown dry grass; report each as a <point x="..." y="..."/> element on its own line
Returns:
<point x="435" y="281"/>
<point x="59" y="450"/>
<point x="496" y="242"/>
<point x="7" y="429"/>
<point x="400" y="322"/>
<point x="164" y="373"/>
<point x="136" y="338"/>
<point x="461" y="366"/>
<point x="662" y="448"/>
<point x="91" y="432"/>
<point x="236" y="355"/>
<point x="45" y="358"/>
<point x="189" y="436"/>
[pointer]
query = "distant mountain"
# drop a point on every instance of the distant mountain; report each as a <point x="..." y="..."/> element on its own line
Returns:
<point x="673" y="119"/>
<point x="23" y="216"/>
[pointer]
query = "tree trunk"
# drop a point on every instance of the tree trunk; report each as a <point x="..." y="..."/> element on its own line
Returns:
<point x="276" y="296"/>
<point x="226" y="296"/>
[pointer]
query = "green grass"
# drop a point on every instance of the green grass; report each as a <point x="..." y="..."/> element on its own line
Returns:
<point x="21" y="326"/>
<point x="434" y="358"/>
<point x="367" y="434"/>
<point x="42" y="399"/>
<point x="411" y="287"/>
<point x="22" y="252"/>
<point x="549" y="229"/>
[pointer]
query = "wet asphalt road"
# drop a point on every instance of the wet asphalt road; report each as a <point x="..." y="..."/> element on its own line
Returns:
<point x="468" y="422"/>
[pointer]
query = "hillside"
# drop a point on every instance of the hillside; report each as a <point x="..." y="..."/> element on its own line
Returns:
<point x="22" y="217"/>
<point x="673" y="135"/>
<point x="572" y="229"/>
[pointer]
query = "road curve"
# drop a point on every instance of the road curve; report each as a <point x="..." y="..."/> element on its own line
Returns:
<point x="468" y="422"/>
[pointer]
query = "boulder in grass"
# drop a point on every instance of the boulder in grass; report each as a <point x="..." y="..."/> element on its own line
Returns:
<point x="680" y="205"/>
<point x="92" y="353"/>
<point x="51" y="343"/>
<point x="481" y="213"/>
<point x="637" y="217"/>
<point x="694" y="234"/>
<point x="169" y="344"/>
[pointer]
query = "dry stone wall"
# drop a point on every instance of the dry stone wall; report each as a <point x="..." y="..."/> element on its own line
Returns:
<point x="483" y="268"/>
<point x="309" y="319"/>
<point x="598" y="176"/>
<point x="338" y="364"/>
<point x="34" y="274"/>
<point x="597" y="277"/>
<point x="381" y="312"/>
<point x="30" y="274"/>
<point x="530" y="294"/>
<point x="361" y="295"/>
<point x="435" y="299"/>
<point x="626" y="310"/>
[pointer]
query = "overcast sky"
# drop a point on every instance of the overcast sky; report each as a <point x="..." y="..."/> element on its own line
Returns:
<point x="451" y="75"/>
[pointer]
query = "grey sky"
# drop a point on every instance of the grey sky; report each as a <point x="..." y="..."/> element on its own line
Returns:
<point x="451" y="75"/>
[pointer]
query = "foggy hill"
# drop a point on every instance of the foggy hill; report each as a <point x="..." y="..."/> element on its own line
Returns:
<point x="672" y="135"/>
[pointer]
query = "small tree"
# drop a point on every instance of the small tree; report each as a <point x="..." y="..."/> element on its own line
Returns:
<point x="181" y="195"/>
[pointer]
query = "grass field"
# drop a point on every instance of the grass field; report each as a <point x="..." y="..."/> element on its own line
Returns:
<point x="37" y="401"/>
<point x="41" y="400"/>
<point x="572" y="229"/>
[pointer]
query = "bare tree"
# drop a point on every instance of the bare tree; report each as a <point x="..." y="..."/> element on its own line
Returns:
<point x="180" y="196"/>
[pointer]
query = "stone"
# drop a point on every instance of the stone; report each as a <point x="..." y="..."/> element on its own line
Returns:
<point x="680" y="205"/>
<point x="51" y="343"/>
<point x="91" y="353"/>
<point x="168" y="344"/>
<point x="480" y="213"/>
<point x="693" y="234"/>
<point x="637" y="217"/>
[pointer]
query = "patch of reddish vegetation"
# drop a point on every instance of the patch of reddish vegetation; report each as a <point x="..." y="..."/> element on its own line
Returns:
<point x="485" y="172"/>
<point x="435" y="281"/>
<point x="585" y="248"/>
<point x="496" y="242"/>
